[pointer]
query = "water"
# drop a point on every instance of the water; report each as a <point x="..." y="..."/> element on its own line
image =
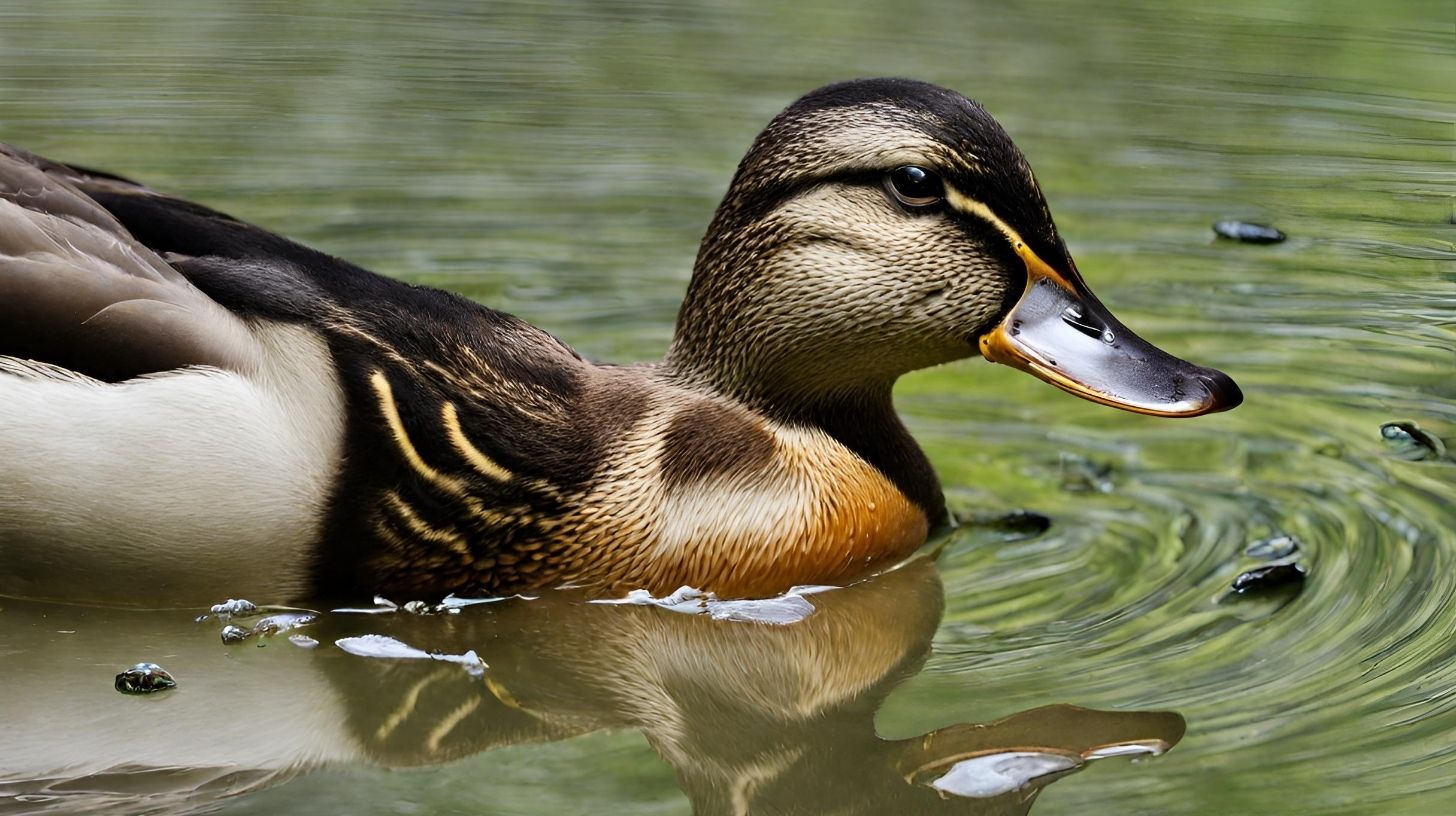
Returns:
<point x="562" y="161"/>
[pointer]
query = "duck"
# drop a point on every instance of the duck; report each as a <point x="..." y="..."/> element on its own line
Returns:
<point x="194" y="407"/>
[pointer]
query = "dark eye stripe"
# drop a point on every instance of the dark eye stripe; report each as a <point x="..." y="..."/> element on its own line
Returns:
<point x="757" y="203"/>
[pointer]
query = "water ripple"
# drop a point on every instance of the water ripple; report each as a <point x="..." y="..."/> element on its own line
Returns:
<point x="1127" y="598"/>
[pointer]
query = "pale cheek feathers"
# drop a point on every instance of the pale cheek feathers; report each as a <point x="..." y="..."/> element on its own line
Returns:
<point x="914" y="283"/>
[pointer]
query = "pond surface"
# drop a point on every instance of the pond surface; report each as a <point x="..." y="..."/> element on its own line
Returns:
<point x="561" y="162"/>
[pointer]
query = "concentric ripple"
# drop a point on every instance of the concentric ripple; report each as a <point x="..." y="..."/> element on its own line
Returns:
<point x="1344" y="685"/>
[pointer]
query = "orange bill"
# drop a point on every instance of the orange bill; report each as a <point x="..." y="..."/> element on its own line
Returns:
<point x="1060" y="333"/>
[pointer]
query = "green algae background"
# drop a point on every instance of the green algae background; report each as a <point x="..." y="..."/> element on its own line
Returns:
<point x="561" y="161"/>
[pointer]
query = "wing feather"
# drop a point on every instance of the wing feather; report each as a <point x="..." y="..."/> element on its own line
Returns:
<point x="79" y="291"/>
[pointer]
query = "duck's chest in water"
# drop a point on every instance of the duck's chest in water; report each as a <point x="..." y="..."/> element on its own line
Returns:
<point x="689" y="492"/>
<point x="750" y="513"/>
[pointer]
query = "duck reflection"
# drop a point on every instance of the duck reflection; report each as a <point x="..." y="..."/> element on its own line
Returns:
<point x="752" y="717"/>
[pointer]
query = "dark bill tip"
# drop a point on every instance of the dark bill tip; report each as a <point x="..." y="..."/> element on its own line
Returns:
<point x="1060" y="333"/>
<point x="1222" y="390"/>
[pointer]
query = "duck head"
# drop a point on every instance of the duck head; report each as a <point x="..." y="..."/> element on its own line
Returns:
<point x="880" y="226"/>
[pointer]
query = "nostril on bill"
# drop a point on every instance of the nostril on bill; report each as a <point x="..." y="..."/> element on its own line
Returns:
<point x="1075" y="317"/>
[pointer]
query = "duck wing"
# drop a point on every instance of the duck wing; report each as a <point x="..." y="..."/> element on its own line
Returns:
<point x="79" y="291"/>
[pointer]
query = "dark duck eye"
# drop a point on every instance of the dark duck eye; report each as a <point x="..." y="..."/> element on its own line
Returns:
<point x="915" y="187"/>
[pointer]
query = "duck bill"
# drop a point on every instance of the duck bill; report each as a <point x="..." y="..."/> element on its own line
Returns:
<point x="1060" y="333"/>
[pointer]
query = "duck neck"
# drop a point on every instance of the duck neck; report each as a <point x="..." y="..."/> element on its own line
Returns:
<point x="732" y="340"/>
<point x="862" y="418"/>
<point x="865" y="422"/>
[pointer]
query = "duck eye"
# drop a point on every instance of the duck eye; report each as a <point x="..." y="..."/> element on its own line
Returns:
<point x="915" y="186"/>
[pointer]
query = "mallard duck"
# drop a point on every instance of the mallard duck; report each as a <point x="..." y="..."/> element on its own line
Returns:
<point x="192" y="406"/>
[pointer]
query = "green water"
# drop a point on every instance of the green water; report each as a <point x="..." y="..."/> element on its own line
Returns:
<point x="561" y="162"/>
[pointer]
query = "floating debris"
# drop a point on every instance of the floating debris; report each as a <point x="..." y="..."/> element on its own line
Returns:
<point x="275" y="624"/>
<point x="779" y="611"/>
<point x="144" y="678"/>
<point x="791" y="607"/>
<point x="1407" y="441"/>
<point x="283" y="622"/>
<point x="380" y="646"/>
<point x="1248" y="233"/>
<point x="1016" y="525"/>
<point x="1267" y="579"/>
<point x="1273" y="548"/>
<point x="232" y="635"/>
<point x="382" y="606"/>
<point x="303" y="641"/>
<point x="452" y="603"/>
<point x="234" y="606"/>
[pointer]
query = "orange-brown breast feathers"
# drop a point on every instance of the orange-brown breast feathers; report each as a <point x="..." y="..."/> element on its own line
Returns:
<point x="707" y="494"/>
<point x="680" y="487"/>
